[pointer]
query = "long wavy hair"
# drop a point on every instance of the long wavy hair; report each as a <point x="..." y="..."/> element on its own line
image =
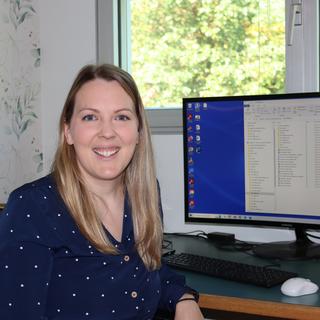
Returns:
<point x="139" y="177"/>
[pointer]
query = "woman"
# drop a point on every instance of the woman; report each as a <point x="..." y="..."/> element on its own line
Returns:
<point x="85" y="241"/>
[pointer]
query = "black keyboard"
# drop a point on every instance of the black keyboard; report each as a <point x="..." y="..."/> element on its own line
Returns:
<point x="230" y="270"/>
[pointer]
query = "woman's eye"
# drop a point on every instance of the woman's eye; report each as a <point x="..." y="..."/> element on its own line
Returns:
<point x="122" y="117"/>
<point x="89" y="117"/>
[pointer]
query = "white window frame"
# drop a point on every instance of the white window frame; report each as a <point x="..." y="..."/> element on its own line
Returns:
<point x="107" y="31"/>
<point x="302" y="55"/>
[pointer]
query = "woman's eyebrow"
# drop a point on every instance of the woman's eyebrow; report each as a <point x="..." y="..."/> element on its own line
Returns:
<point x="81" y="109"/>
<point x="91" y="109"/>
<point x="124" y="109"/>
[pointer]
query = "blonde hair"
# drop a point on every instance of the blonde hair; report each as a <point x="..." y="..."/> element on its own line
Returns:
<point x="139" y="178"/>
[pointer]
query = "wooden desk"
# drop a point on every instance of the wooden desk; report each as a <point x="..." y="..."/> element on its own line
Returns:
<point x="232" y="300"/>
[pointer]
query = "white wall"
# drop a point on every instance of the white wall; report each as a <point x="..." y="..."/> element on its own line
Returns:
<point x="68" y="41"/>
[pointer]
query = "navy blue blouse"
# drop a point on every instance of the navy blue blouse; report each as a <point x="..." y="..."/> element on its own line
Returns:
<point x="48" y="270"/>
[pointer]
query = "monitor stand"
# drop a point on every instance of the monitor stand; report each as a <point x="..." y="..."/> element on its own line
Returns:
<point x="300" y="249"/>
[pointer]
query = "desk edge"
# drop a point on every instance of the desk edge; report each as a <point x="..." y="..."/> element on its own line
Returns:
<point x="258" y="307"/>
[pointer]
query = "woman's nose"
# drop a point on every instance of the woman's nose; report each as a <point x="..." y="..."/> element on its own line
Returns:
<point x="107" y="129"/>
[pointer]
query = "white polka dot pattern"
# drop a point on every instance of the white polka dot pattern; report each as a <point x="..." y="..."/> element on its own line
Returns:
<point x="48" y="270"/>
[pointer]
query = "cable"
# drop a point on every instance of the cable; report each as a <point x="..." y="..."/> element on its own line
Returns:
<point x="236" y="245"/>
<point x="312" y="236"/>
<point x="198" y="233"/>
<point x="166" y="244"/>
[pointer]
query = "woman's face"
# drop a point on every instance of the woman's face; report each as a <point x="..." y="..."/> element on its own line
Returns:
<point x="103" y="130"/>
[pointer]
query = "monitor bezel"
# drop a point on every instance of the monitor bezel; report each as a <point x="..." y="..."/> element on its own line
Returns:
<point x="229" y="222"/>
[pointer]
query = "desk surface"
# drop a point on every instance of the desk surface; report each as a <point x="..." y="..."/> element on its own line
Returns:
<point x="226" y="295"/>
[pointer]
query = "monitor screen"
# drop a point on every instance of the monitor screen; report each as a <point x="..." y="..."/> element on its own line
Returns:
<point x="253" y="160"/>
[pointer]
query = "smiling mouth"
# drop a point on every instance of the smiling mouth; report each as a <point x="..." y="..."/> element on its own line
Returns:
<point x="106" y="152"/>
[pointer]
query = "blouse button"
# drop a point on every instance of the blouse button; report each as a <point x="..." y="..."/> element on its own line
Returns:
<point x="134" y="294"/>
<point x="126" y="258"/>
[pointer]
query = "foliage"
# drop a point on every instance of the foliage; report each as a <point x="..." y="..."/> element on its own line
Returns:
<point x="21" y="112"/>
<point x="183" y="48"/>
<point x="20" y="151"/>
<point x="38" y="159"/>
<point x="20" y="11"/>
<point x="21" y="102"/>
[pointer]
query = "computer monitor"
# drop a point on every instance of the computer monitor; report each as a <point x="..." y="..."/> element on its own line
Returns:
<point x="255" y="160"/>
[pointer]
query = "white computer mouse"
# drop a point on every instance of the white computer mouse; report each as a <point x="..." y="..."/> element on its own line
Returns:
<point x="296" y="287"/>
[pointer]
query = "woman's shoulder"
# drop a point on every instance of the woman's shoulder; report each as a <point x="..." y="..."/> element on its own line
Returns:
<point x="39" y="197"/>
<point x="26" y="214"/>
<point x="42" y="183"/>
<point x="38" y="193"/>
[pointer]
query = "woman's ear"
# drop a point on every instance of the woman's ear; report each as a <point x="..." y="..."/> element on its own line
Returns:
<point x="68" y="134"/>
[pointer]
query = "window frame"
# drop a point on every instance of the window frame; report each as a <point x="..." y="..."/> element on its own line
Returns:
<point x="302" y="57"/>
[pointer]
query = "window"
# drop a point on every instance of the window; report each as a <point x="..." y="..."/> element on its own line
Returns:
<point x="200" y="48"/>
<point x="187" y="48"/>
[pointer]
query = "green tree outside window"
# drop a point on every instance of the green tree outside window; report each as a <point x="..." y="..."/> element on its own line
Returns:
<point x="189" y="48"/>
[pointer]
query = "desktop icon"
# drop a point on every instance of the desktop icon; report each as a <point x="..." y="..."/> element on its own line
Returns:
<point x="197" y="117"/>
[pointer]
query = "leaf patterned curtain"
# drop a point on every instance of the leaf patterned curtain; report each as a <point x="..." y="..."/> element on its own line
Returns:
<point x="21" y="158"/>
